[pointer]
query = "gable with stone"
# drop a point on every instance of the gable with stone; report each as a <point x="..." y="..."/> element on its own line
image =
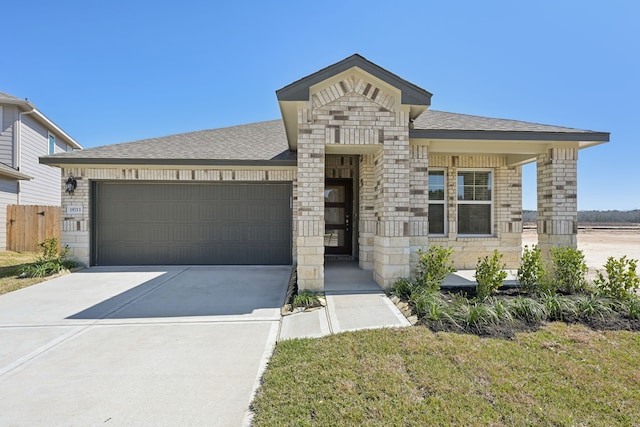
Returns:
<point x="358" y="168"/>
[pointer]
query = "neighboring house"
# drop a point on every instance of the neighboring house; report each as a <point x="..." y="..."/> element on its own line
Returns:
<point x="25" y="135"/>
<point x="358" y="168"/>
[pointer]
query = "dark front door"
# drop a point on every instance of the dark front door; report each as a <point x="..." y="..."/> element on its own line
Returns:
<point x="337" y="216"/>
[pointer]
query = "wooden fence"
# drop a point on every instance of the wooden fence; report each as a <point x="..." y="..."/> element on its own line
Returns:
<point x="29" y="225"/>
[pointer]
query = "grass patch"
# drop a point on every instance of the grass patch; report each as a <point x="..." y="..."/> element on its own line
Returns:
<point x="11" y="264"/>
<point x="560" y="375"/>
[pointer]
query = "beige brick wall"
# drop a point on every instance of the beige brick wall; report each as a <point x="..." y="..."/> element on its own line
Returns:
<point x="557" y="177"/>
<point x="356" y="112"/>
<point x="507" y="210"/>
<point x="76" y="228"/>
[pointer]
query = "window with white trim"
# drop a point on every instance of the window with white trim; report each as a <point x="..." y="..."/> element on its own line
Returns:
<point x="437" y="202"/>
<point x="475" y="202"/>
<point x="52" y="144"/>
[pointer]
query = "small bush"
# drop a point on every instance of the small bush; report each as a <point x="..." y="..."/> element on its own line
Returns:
<point x="49" y="262"/>
<point x="557" y="306"/>
<point x="532" y="274"/>
<point x="403" y="288"/>
<point x="476" y="314"/>
<point x="592" y="305"/>
<point x="622" y="280"/>
<point x="502" y="309"/>
<point x="633" y="308"/>
<point x="434" y="265"/>
<point x="306" y="299"/>
<point x="569" y="269"/>
<point x="432" y="306"/>
<point x="489" y="275"/>
<point x="528" y="309"/>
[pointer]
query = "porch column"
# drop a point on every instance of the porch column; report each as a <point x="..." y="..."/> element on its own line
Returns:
<point x="419" y="202"/>
<point x="310" y="204"/>
<point x="391" y="243"/>
<point x="367" y="217"/>
<point x="557" y="178"/>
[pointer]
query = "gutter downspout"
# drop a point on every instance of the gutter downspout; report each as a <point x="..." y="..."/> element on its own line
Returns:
<point x="18" y="136"/>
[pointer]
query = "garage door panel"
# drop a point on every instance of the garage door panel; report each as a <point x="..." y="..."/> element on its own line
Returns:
<point x="198" y="223"/>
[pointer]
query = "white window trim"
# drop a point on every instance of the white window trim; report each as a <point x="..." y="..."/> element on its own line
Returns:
<point x="1" y="119"/>
<point x="437" y="202"/>
<point x="49" y="136"/>
<point x="477" y="202"/>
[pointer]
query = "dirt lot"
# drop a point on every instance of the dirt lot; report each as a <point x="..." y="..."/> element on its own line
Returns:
<point x="598" y="245"/>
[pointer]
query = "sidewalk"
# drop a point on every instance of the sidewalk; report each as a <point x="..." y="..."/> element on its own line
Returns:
<point x="354" y="302"/>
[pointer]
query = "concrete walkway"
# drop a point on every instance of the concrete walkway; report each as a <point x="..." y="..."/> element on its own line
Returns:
<point x="354" y="302"/>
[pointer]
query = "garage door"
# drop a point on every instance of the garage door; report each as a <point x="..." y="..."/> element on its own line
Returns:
<point x="175" y="223"/>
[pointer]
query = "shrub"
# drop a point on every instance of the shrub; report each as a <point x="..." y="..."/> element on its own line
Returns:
<point x="569" y="269"/>
<point x="403" y="288"/>
<point x="591" y="305"/>
<point x="502" y="309"/>
<point x="489" y="275"/>
<point x="49" y="262"/>
<point x="557" y="306"/>
<point x="431" y="305"/>
<point x="633" y="307"/>
<point x="532" y="273"/>
<point x="528" y="309"/>
<point x="622" y="280"/>
<point x="476" y="313"/>
<point x="434" y="265"/>
<point x="306" y="299"/>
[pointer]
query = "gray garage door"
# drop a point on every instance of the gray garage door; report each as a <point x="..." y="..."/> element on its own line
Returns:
<point x="176" y="223"/>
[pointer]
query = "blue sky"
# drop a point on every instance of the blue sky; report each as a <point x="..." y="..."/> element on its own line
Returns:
<point x="118" y="71"/>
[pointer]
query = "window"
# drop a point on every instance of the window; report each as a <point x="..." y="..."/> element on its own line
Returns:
<point x="437" y="205"/>
<point x="474" y="202"/>
<point x="52" y="144"/>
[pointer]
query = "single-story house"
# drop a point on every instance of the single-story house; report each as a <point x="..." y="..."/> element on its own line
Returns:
<point x="357" y="168"/>
<point x="25" y="135"/>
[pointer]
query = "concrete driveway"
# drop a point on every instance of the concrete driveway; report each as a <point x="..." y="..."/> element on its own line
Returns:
<point x="138" y="346"/>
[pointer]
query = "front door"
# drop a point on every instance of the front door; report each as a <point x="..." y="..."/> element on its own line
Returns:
<point x="337" y="216"/>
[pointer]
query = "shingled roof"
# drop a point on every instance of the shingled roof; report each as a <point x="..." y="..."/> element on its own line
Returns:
<point x="256" y="142"/>
<point x="442" y="125"/>
<point x="265" y="142"/>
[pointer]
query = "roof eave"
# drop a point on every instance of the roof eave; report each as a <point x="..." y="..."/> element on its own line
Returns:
<point x="57" y="129"/>
<point x="74" y="161"/>
<point x="494" y="135"/>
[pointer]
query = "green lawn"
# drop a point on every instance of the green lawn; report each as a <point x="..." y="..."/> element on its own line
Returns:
<point x="10" y="264"/>
<point x="563" y="375"/>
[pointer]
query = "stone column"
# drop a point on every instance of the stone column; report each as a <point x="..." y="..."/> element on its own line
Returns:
<point x="557" y="199"/>
<point x="392" y="249"/>
<point x="419" y="202"/>
<point x="367" y="219"/>
<point x="310" y="204"/>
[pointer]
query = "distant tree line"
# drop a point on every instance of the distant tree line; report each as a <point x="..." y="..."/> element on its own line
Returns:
<point x="601" y="217"/>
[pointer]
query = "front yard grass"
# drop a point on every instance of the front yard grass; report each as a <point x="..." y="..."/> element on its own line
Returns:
<point x="562" y="374"/>
<point x="10" y="265"/>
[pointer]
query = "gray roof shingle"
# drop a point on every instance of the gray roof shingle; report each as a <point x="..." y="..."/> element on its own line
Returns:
<point x="266" y="141"/>
<point x="441" y="120"/>
<point x="251" y="142"/>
